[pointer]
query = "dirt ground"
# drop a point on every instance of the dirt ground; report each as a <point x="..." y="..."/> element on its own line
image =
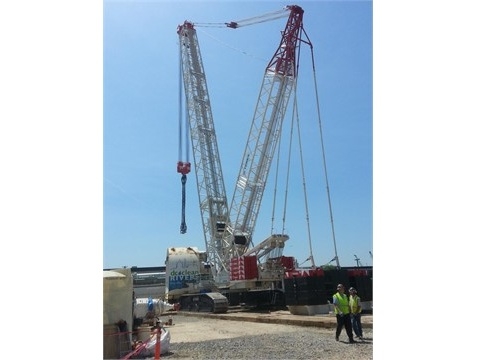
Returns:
<point x="214" y="338"/>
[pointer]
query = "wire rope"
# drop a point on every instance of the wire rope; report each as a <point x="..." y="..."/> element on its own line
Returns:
<point x="275" y="185"/>
<point x="243" y="52"/>
<point x="248" y="21"/>
<point x="180" y="108"/>
<point x="324" y="159"/>
<point x="288" y="168"/>
<point x="305" y="192"/>
<point x="300" y="146"/>
<point x="183" y="227"/>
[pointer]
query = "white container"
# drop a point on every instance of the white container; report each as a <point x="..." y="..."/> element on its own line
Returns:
<point x="144" y="333"/>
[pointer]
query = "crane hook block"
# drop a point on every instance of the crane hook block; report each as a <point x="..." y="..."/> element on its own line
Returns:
<point x="183" y="228"/>
<point x="183" y="167"/>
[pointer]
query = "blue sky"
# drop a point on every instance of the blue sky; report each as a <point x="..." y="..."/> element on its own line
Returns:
<point x="142" y="191"/>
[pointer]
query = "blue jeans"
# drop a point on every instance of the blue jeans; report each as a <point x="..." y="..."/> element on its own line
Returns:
<point x="356" y="322"/>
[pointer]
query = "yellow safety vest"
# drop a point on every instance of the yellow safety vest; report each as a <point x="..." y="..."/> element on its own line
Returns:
<point x="354" y="303"/>
<point x="343" y="303"/>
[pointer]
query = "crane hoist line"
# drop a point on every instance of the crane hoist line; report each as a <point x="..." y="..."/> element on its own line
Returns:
<point x="228" y="228"/>
<point x="183" y="167"/>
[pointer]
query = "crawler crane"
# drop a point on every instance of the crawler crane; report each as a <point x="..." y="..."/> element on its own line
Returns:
<point x="240" y="271"/>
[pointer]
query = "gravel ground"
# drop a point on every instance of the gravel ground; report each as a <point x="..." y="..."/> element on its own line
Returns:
<point x="206" y="338"/>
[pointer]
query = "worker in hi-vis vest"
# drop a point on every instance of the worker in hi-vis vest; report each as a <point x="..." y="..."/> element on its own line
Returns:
<point x="355" y="305"/>
<point x="342" y="311"/>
